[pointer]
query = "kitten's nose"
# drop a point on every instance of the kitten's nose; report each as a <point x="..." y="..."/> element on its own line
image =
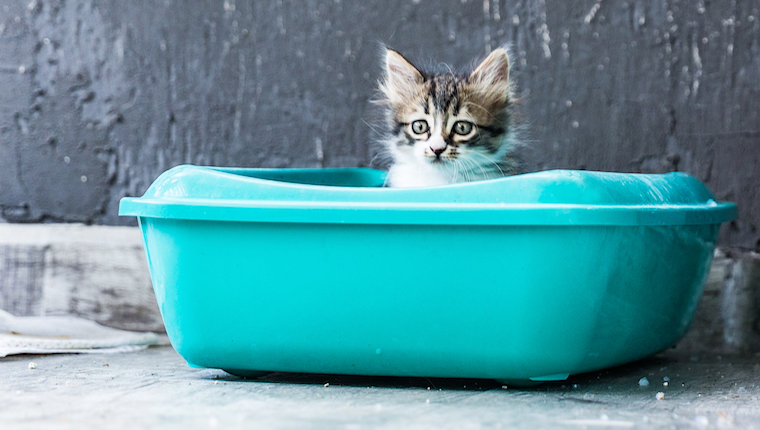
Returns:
<point x="437" y="151"/>
<point x="437" y="144"/>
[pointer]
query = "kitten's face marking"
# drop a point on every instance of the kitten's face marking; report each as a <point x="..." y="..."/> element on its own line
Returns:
<point x="452" y="123"/>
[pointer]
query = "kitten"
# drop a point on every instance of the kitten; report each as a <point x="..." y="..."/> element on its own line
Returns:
<point x="446" y="127"/>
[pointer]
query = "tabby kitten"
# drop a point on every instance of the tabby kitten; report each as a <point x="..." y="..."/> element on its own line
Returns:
<point x="446" y="127"/>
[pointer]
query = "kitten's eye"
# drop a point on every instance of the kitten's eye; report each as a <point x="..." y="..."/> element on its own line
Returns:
<point x="462" y="128"/>
<point x="420" y="126"/>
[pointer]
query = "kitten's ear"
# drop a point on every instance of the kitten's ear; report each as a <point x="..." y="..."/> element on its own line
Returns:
<point x="490" y="80"/>
<point x="401" y="77"/>
<point x="493" y="70"/>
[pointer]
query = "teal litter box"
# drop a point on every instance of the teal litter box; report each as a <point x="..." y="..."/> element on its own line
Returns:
<point x="525" y="278"/>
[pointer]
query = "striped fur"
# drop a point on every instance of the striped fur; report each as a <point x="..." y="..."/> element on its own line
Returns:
<point x="447" y="127"/>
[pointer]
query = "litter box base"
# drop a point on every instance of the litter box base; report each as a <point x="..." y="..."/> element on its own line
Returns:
<point x="241" y="373"/>
<point x="516" y="383"/>
<point x="533" y="382"/>
<point x="247" y="374"/>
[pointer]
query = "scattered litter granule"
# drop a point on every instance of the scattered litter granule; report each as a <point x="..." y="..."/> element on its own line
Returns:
<point x="660" y="396"/>
<point x="644" y="382"/>
<point x="32" y="365"/>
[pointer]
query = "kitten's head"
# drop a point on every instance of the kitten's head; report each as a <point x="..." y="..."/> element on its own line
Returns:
<point x="457" y="124"/>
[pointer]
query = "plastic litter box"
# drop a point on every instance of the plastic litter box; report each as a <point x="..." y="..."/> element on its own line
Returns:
<point x="524" y="278"/>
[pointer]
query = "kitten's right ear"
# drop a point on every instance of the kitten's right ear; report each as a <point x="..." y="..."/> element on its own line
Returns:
<point x="494" y="69"/>
<point x="401" y="77"/>
<point x="490" y="80"/>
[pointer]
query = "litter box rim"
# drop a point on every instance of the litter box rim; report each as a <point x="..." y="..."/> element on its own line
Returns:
<point x="230" y="194"/>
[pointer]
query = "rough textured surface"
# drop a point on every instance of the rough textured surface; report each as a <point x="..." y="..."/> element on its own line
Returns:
<point x="96" y="272"/>
<point x="100" y="96"/>
<point x="155" y="389"/>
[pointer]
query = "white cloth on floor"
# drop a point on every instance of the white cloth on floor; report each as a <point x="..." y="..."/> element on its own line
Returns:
<point x="66" y="334"/>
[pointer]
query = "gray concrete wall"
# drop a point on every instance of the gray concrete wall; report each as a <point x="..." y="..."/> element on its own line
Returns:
<point x="98" y="97"/>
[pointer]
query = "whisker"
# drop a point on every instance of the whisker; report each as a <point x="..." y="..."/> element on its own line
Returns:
<point x="456" y="170"/>
<point x="464" y="170"/>
<point x="491" y="161"/>
<point x="451" y="72"/>
<point x="371" y="127"/>
<point x="480" y="166"/>
<point x="475" y="165"/>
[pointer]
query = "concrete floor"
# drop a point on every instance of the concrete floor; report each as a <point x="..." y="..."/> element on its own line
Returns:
<point x="155" y="389"/>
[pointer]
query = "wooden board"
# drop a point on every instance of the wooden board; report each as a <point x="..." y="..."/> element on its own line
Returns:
<point x="94" y="272"/>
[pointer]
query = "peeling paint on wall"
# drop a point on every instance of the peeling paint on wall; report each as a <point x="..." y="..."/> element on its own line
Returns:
<point x="99" y="96"/>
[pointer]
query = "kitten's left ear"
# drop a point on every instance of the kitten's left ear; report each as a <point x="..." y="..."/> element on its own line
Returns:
<point x="493" y="70"/>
